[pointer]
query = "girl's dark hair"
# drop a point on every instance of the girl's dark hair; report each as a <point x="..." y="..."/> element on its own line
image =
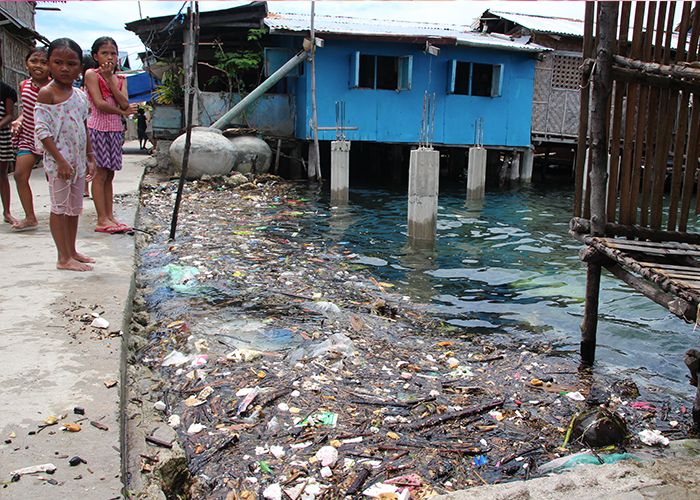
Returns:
<point x="35" y="50"/>
<point x="103" y="40"/>
<point x="65" y="43"/>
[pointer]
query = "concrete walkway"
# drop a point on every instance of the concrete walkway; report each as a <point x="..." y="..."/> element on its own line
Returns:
<point x="51" y="361"/>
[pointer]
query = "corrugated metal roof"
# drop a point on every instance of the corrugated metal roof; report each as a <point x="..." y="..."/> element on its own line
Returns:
<point x="556" y="25"/>
<point x="544" y="24"/>
<point x="446" y="33"/>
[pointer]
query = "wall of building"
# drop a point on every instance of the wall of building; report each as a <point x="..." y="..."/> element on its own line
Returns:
<point x="395" y="116"/>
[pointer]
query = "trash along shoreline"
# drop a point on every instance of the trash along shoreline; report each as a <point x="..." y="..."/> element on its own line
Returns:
<point x="265" y="365"/>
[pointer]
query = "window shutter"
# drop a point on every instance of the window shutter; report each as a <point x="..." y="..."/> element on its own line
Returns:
<point x="497" y="80"/>
<point x="405" y="72"/>
<point x="451" y="75"/>
<point x="355" y="70"/>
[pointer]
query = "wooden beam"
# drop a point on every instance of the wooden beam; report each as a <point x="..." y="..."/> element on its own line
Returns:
<point x="583" y="226"/>
<point x="676" y="305"/>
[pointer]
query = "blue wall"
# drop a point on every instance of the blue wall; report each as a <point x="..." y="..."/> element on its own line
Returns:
<point x="395" y="116"/>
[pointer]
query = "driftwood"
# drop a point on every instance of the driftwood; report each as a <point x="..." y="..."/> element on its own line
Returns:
<point x="445" y="417"/>
<point x="158" y="442"/>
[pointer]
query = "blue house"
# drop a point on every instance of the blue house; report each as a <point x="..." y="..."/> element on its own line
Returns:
<point x="381" y="70"/>
<point x="479" y="85"/>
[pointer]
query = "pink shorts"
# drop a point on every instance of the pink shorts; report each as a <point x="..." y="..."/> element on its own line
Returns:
<point x="66" y="195"/>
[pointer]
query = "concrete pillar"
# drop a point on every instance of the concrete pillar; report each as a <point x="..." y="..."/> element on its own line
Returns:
<point x="340" y="171"/>
<point x="476" y="173"/>
<point x="423" y="184"/>
<point x="528" y="161"/>
<point x="515" y="168"/>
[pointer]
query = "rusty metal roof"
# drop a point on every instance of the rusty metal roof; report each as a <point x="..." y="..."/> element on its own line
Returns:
<point x="385" y="28"/>
<point x="543" y="24"/>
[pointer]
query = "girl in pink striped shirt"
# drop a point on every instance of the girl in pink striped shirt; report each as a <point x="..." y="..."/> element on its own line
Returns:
<point x="23" y="127"/>
<point x="109" y="101"/>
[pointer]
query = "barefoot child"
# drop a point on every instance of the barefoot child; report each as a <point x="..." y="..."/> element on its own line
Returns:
<point x="8" y="98"/>
<point x="109" y="102"/>
<point x="23" y="127"/>
<point x="60" y="119"/>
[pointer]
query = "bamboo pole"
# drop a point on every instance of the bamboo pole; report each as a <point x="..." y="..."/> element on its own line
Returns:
<point x="194" y="22"/>
<point x="679" y="144"/>
<point x="602" y="87"/>
<point x="642" y="147"/>
<point x="653" y="123"/>
<point x="583" y="114"/>
<point x="620" y="91"/>
<point x="315" y="170"/>
<point x="630" y="121"/>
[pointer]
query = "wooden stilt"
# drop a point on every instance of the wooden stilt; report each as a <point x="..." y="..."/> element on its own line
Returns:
<point x="602" y="88"/>
<point x="589" y="326"/>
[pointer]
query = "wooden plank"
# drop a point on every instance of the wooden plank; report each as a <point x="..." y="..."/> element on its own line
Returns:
<point x="631" y="121"/>
<point x="681" y="132"/>
<point x="577" y="225"/>
<point x="583" y="114"/>
<point x="655" y="244"/>
<point x="667" y="266"/>
<point x="654" y="251"/>
<point x="689" y="276"/>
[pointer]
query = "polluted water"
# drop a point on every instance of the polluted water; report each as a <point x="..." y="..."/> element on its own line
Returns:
<point x="294" y="361"/>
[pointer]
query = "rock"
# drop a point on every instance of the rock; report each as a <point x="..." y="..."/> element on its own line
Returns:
<point x="236" y="179"/>
<point x="210" y="153"/>
<point x="251" y="155"/>
<point x="599" y="427"/>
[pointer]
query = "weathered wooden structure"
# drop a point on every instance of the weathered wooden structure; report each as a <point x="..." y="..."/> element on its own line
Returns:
<point x="641" y="114"/>
<point x="17" y="36"/>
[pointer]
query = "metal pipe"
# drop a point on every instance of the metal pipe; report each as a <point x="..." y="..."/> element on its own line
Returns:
<point x="275" y="77"/>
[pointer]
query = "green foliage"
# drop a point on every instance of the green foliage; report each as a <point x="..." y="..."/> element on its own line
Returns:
<point x="238" y="65"/>
<point x="171" y="90"/>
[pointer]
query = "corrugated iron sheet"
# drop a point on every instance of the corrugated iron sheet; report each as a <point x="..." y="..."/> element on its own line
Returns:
<point x="341" y="25"/>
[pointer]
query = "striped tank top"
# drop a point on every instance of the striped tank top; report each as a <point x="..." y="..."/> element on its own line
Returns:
<point x="28" y="93"/>
<point x="99" y="120"/>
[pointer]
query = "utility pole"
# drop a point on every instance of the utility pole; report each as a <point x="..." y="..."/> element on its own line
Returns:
<point x="314" y="167"/>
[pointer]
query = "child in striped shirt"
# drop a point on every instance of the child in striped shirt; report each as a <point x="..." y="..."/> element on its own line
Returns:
<point x="23" y="128"/>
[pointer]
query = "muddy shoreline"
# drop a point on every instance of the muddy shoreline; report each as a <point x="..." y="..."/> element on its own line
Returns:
<point x="292" y="373"/>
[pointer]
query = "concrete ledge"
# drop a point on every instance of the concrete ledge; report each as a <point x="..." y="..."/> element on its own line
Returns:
<point x="52" y="362"/>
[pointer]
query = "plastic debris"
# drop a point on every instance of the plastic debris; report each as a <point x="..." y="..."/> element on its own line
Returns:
<point x="195" y="429"/>
<point x="575" y="396"/>
<point x="100" y="323"/>
<point x="174" y="421"/>
<point x="584" y="458"/>
<point x="175" y="358"/>
<point x="71" y="427"/>
<point x="243" y="355"/>
<point x="321" y="419"/>
<point x="327" y="456"/>
<point x="48" y="468"/>
<point x="243" y="405"/>
<point x="273" y="492"/>
<point x="653" y="438"/>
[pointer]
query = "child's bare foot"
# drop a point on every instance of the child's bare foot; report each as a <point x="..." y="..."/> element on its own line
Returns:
<point x="9" y="219"/>
<point x="25" y="225"/>
<point x="73" y="265"/>
<point x="83" y="258"/>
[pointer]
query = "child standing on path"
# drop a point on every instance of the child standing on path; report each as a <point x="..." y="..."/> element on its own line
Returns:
<point x="108" y="103"/>
<point x="8" y="98"/>
<point x="23" y="127"/>
<point x="60" y="117"/>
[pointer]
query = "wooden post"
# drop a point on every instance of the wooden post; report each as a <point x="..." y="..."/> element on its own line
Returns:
<point x="194" y="21"/>
<point x="602" y="88"/>
<point x="315" y="169"/>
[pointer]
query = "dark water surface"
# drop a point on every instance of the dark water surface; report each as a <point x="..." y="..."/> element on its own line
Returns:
<point x="509" y="265"/>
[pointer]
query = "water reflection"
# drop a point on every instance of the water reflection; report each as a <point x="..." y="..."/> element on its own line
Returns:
<point x="506" y="263"/>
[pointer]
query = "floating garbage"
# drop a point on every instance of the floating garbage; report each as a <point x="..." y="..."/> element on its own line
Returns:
<point x="584" y="458"/>
<point x="653" y="438"/>
<point x="599" y="427"/>
<point x="280" y="344"/>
